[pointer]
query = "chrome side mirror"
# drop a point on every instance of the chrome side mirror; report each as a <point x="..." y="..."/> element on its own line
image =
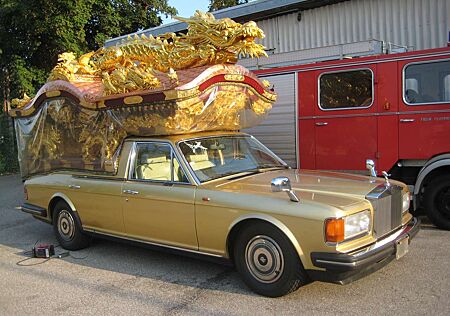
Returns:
<point x="370" y="165"/>
<point x="283" y="184"/>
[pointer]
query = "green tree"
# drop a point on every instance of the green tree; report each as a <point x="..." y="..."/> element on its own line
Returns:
<point x="34" y="32"/>
<point x="215" y="5"/>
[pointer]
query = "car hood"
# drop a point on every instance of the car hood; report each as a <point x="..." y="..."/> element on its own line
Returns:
<point x="334" y="188"/>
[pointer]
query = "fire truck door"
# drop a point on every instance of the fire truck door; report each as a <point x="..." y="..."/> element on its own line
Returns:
<point x="424" y="120"/>
<point x="345" y="124"/>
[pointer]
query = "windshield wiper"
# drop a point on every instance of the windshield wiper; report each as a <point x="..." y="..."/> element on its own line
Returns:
<point x="261" y="169"/>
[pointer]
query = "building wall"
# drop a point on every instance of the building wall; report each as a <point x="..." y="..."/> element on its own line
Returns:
<point x="419" y="24"/>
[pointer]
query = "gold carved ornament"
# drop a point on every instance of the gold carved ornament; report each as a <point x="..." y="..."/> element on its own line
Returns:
<point x="133" y="64"/>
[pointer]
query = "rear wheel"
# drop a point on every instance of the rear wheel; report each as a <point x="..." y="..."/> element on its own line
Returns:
<point x="437" y="201"/>
<point x="66" y="227"/>
<point x="267" y="261"/>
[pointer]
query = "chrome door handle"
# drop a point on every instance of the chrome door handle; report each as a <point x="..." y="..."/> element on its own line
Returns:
<point x="130" y="192"/>
<point x="407" y="120"/>
<point x="73" y="186"/>
<point x="321" y="123"/>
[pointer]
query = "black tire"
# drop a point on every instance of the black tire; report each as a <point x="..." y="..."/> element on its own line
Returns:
<point x="67" y="228"/>
<point x="267" y="261"/>
<point x="437" y="201"/>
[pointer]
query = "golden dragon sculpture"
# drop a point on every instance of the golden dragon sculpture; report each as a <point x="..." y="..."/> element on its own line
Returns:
<point x="131" y="65"/>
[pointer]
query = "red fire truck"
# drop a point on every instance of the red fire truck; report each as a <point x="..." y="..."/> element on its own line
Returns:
<point x="391" y="108"/>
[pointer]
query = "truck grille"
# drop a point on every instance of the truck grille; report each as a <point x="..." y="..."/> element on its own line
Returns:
<point x="387" y="205"/>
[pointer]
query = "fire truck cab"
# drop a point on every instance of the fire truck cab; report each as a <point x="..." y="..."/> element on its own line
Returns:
<point x="393" y="109"/>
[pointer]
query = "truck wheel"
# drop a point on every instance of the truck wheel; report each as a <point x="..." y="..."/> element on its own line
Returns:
<point x="437" y="202"/>
<point x="66" y="227"/>
<point x="267" y="261"/>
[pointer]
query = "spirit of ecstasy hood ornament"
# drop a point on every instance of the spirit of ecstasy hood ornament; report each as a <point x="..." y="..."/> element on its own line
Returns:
<point x="386" y="177"/>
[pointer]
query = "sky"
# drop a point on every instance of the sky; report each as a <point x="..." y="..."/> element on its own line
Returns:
<point x="186" y="8"/>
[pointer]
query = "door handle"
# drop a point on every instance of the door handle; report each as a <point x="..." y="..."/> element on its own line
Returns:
<point x="130" y="192"/>
<point x="73" y="186"/>
<point x="321" y="123"/>
<point x="407" y="120"/>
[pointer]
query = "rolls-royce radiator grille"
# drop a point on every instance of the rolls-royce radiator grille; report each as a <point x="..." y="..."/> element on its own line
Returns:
<point x="387" y="205"/>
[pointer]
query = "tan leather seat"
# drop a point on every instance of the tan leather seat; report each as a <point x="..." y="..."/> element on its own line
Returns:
<point x="200" y="161"/>
<point x="155" y="168"/>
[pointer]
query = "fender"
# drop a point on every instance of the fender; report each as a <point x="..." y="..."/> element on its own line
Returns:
<point x="432" y="164"/>
<point x="65" y="198"/>
<point x="277" y="223"/>
<point x="72" y="206"/>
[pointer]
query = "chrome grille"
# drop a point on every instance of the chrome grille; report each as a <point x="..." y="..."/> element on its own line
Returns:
<point x="387" y="205"/>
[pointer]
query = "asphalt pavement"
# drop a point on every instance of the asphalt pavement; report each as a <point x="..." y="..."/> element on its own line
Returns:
<point x="115" y="278"/>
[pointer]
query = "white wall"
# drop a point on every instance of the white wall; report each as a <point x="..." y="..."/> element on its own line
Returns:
<point x="420" y="24"/>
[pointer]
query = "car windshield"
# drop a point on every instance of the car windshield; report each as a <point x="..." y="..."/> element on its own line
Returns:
<point x="215" y="157"/>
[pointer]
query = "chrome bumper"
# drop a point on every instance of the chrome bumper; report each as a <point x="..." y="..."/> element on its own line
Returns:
<point x="344" y="268"/>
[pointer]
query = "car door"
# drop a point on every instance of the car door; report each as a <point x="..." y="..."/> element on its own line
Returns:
<point x="424" y="120"/>
<point x="345" y="120"/>
<point x="158" y="197"/>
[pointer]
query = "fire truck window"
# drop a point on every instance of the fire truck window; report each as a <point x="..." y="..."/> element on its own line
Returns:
<point x="349" y="89"/>
<point x="427" y="83"/>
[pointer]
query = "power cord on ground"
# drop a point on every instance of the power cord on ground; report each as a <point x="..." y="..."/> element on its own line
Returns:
<point x="31" y="254"/>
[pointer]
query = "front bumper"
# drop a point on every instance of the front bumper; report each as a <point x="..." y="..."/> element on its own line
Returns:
<point x="344" y="268"/>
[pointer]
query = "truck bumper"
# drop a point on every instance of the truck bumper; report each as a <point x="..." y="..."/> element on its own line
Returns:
<point x="345" y="268"/>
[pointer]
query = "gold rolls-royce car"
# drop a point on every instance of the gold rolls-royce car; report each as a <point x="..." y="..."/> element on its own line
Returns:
<point x="224" y="194"/>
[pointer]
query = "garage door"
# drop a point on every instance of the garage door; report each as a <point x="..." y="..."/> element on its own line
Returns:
<point x="278" y="130"/>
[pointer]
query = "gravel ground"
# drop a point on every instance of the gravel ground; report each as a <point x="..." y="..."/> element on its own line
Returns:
<point x="114" y="278"/>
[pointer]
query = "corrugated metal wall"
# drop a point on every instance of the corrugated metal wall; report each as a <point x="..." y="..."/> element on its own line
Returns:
<point x="277" y="131"/>
<point x="419" y="24"/>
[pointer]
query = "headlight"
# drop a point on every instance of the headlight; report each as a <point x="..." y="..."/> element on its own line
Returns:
<point x="356" y="224"/>
<point x="406" y="201"/>
<point x="341" y="229"/>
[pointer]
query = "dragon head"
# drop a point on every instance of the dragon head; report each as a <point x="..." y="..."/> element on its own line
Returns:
<point x="224" y="34"/>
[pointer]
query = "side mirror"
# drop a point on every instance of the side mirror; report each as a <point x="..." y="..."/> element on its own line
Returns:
<point x="370" y="165"/>
<point x="283" y="184"/>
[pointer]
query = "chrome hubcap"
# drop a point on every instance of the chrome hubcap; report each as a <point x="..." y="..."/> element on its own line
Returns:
<point x="264" y="259"/>
<point x="66" y="225"/>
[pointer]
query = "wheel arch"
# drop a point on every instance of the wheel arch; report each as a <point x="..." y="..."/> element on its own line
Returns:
<point x="433" y="167"/>
<point x="55" y="199"/>
<point x="242" y="221"/>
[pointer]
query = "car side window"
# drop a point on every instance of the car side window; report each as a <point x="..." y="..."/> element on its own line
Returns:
<point x="157" y="162"/>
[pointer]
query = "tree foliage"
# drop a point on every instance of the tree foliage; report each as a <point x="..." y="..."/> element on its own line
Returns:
<point x="34" y="32"/>
<point x="215" y="5"/>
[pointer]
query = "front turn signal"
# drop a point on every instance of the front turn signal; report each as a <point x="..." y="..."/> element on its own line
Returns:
<point x="334" y="229"/>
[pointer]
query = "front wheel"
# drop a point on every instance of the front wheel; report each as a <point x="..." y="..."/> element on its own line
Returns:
<point x="67" y="230"/>
<point x="267" y="261"/>
<point x="437" y="201"/>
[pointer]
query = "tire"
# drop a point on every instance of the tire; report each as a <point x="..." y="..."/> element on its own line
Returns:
<point x="437" y="202"/>
<point x="267" y="261"/>
<point x="67" y="228"/>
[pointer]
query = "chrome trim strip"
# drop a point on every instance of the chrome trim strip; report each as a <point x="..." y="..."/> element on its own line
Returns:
<point x="358" y="63"/>
<point x="154" y="243"/>
<point x="340" y="71"/>
<point x="373" y="114"/>
<point x="404" y="85"/>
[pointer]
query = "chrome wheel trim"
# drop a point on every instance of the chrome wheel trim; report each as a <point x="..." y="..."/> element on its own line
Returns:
<point x="66" y="225"/>
<point x="264" y="259"/>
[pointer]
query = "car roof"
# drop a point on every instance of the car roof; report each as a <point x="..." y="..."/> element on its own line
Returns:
<point x="180" y="137"/>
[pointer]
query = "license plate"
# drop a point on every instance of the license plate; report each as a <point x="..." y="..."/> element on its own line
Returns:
<point x="402" y="247"/>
